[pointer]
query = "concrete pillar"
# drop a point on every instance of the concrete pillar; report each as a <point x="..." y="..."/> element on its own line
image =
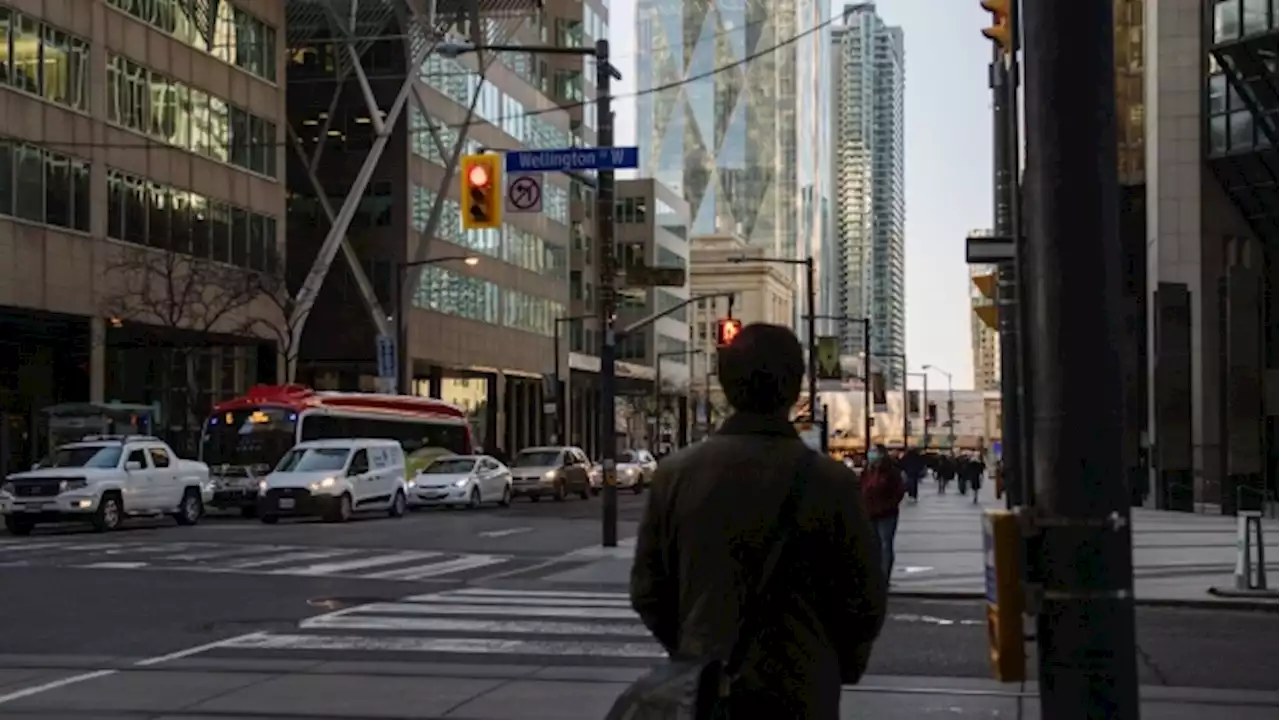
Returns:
<point x="97" y="360"/>
<point x="499" y="401"/>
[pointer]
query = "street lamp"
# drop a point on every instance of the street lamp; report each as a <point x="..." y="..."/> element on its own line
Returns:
<point x="657" y="389"/>
<point x="812" y="312"/>
<point x="951" y="406"/>
<point x="404" y="375"/>
<point x="605" y="74"/>
<point x="560" y="404"/>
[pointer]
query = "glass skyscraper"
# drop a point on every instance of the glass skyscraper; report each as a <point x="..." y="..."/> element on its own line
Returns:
<point x="742" y="130"/>
<point x="868" y="77"/>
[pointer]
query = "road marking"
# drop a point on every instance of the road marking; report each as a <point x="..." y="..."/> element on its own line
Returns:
<point x="505" y="533"/>
<point x="499" y="592"/>
<point x="465" y="646"/>
<point x="484" y="600"/>
<point x="914" y="569"/>
<point x="456" y="625"/>
<point x="421" y="608"/>
<point x="148" y="662"/>
<point x="360" y="564"/>
<point x="230" y="551"/>
<point x="114" y="566"/>
<point x="422" y="572"/>
<point x="288" y="558"/>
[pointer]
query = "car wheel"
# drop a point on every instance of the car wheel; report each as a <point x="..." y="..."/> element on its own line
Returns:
<point x="561" y="492"/>
<point x="18" y="525"/>
<point x="248" y="512"/>
<point x="398" y="505"/>
<point x="269" y="519"/>
<point x="473" y="500"/>
<point x="506" y="497"/>
<point x="191" y="508"/>
<point x="109" y="514"/>
<point x="535" y="498"/>
<point x="341" y="512"/>
<point x="585" y="492"/>
<point x="595" y="490"/>
<point x="637" y="488"/>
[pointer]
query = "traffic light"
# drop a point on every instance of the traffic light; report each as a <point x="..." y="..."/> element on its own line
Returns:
<point x="727" y="330"/>
<point x="932" y="418"/>
<point x="1000" y="32"/>
<point x="481" y="192"/>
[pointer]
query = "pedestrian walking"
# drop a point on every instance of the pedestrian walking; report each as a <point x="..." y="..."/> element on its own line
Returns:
<point x="913" y="469"/>
<point x="882" y="493"/>
<point x="756" y="567"/>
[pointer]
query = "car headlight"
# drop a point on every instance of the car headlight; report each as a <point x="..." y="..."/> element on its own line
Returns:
<point x="324" y="484"/>
<point x="412" y="484"/>
<point x="6" y="488"/>
<point x="75" y="484"/>
<point x="462" y="482"/>
<point x="262" y="487"/>
<point x="549" y="475"/>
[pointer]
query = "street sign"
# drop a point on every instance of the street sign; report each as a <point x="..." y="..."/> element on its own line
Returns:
<point x="649" y="276"/>
<point x="386" y="356"/>
<point x="980" y="250"/>
<point x="524" y="193"/>
<point x="566" y="159"/>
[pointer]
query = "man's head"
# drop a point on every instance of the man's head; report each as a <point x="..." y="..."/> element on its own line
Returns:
<point x="762" y="370"/>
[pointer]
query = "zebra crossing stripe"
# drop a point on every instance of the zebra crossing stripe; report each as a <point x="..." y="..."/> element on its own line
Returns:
<point x="464" y="646"/>
<point x="463" y="609"/>
<point x="422" y="572"/>
<point x="384" y="623"/>
<point x="570" y="595"/>
<point x="359" y="564"/>
<point x="287" y="558"/>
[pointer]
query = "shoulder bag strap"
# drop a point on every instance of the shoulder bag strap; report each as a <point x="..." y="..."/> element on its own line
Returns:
<point x="749" y="621"/>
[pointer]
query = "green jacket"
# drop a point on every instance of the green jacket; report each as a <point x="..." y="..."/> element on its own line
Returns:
<point x="703" y="541"/>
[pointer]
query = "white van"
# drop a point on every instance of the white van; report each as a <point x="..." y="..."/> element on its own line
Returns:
<point x="335" y="479"/>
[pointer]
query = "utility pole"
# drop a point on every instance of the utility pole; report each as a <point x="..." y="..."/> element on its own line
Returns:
<point x="1005" y="164"/>
<point x="1085" y="619"/>
<point x="608" y="278"/>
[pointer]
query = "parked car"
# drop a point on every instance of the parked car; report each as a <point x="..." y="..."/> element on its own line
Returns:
<point x="461" y="480"/>
<point x="102" y="480"/>
<point x="336" y="479"/>
<point x="550" y="471"/>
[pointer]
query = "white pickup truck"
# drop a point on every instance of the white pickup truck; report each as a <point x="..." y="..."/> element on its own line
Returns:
<point x="103" y="479"/>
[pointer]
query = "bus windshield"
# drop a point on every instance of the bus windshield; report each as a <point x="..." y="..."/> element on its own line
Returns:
<point x="247" y="438"/>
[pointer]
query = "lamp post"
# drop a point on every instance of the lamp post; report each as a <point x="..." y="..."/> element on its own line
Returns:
<point x="924" y="405"/>
<point x="866" y="368"/>
<point x="559" y="425"/>
<point x="605" y="74"/>
<point x="657" y="389"/>
<point x="951" y="407"/>
<point x="404" y="373"/>
<point x="811" y="312"/>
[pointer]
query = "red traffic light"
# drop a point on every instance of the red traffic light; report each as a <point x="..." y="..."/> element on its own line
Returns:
<point x="478" y="176"/>
<point x="728" y="330"/>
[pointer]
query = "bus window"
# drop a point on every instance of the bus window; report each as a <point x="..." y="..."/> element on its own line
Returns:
<point x="412" y="435"/>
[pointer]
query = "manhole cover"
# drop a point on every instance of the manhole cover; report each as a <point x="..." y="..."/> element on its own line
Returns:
<point x="339" y="603"/>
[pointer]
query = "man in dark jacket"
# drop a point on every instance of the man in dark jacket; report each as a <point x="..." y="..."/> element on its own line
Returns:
<point x="882" y="492"/>
<point x="707" y="530"/>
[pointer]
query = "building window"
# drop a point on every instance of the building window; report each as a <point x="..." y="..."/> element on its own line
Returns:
<point x="234" y="36"/>
<point x="43" y="186"/>
<point x="187" y="118"/>
<point x="184" y="222"/>
<point x="43" y="60"/>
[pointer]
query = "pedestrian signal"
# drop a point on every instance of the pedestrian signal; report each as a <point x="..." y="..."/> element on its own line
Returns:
<point x="1000" y="31"/>
<point x="481" y="192"/>
<point x="727" y="331"/>
<point x="932" y="418"/>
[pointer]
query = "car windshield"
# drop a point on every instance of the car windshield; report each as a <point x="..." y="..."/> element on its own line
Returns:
<point x="451" y="466"/>
<point x="537" y="458"/>
<point x="246" y="438"/>
<point x="94" y="456"/>
<point x="314" y="460"/>
<point x="626" y="456"/>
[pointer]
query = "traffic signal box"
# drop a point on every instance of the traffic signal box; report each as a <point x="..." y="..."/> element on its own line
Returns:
<point x="727" y="330"/>
<point x="1002" y="544"/>
<point x="481" y="192"/>
<point x="1001" y="31"/>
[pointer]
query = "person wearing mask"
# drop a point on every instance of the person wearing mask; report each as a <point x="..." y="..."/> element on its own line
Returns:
<point x="711" y="522"/>
<point x="882" y="493"/>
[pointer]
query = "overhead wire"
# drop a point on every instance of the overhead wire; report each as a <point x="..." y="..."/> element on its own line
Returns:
<point x="153" y="144"/>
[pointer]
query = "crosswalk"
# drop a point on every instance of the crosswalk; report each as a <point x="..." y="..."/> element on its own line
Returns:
<point x="254" y="559"/>
<point x="481" y="625"/>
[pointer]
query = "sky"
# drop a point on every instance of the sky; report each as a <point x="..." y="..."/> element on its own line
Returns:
<point x="948" y="162"/>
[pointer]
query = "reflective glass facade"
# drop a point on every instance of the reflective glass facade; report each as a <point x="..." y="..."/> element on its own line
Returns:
<point x="869" y="80"/>
<point x="43" y="186"/>
<point x="452" y="293"/>
<point x="747" y="146"/>
<point x="43" y="60"/>
<point x="218" y="27"/>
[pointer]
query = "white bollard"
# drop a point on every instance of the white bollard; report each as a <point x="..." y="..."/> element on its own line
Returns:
<point x="1251" y="573"/>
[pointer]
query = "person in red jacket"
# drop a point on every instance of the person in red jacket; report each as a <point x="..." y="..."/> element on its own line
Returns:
<point x="882" y="493"/>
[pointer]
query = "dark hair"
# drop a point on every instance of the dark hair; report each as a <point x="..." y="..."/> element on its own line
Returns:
<point x="762" y="370"/>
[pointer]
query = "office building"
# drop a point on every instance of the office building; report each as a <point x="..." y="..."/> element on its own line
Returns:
<point x="868" y="76"/>
<point x="137" y="145"/>
<point x="760" y="292"/>
<point x="477" y="333"/>
<point x="747" y="147"/>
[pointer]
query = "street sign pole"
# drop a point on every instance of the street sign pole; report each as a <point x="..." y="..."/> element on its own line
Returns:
<point x="1085" y="619"/>
<point x="608" y="300"/>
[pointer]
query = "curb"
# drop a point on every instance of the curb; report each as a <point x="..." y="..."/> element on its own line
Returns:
<point x="1226" y="603"/>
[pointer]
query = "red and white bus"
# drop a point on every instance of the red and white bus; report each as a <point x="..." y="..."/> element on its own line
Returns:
<point x="245" y="437"/>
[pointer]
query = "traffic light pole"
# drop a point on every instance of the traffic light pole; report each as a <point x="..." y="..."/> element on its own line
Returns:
<point x="1085" y="620"/>
<point x="605" y="73"/>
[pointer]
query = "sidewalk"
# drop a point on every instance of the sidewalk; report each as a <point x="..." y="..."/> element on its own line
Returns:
<point x="1178" y="557"/>
<point x="194" y="687"/>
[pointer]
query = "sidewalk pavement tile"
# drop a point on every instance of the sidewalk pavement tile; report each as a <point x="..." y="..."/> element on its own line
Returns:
<point x="542" y="700"/>
<point x="363" y="696"/>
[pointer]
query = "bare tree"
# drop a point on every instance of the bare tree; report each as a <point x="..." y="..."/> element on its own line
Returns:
<point x="278" y="323"/>
<point x="186" y="299"/>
